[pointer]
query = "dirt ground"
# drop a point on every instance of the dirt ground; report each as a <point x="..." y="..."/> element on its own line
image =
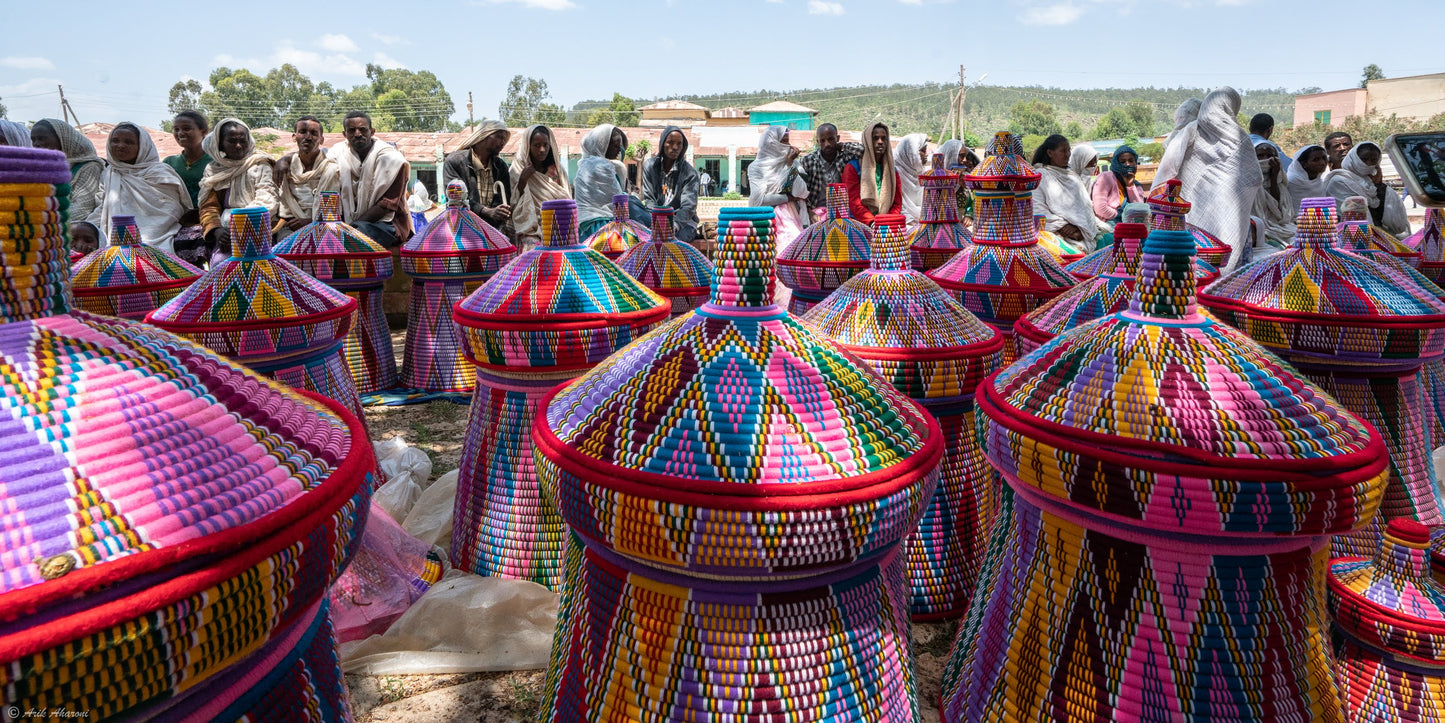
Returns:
<point x="438" y="428"/>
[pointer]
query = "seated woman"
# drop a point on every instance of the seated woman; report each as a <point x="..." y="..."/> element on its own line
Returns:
<point x="86" y="237"/>
<point x="85" y="165"/>
<point x="14" y="134"/>
<point x="239" y="176"/>
<point x="1274" y="204"/>
<point x="189" y="128"/>
<point x="1306" y="176"/>
<point x="910" y="159"/>
<point x="599" y="177"/>
<point x="537" y="176"/>
<point x="1061" y="197"/>
<point x="772" y="181"/>
<point x="1117" y="187"/>
<point x="670" y="181"/>
<point x="879" y="195"/>
<point x="960" y="160"/>
<point x="136" y="183"/>
<point x="1360" y="175"/>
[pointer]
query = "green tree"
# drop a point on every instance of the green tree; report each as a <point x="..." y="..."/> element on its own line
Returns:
<point x="1141" y="118"/>
<point x="551" y="114"/>
<point x="1114" y="124"/>
<point x="1033" y="117"/>
<point x="185" y="95"/>
<point x="415" y="100"/>
<point x="524" y="100"/>
<point x="1074" y="131"/>
<point x="621" y="111"/>
<point x="1371" y="72"/>
<point x="3" y="111"/>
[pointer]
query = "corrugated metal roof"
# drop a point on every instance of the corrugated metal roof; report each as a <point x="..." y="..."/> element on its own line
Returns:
<point x="781" y="106"/>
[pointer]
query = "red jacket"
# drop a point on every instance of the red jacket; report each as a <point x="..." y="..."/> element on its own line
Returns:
<point x="855" y="199"/>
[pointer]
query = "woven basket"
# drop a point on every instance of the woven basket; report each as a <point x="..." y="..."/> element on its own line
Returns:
<point x="127" y="278"/>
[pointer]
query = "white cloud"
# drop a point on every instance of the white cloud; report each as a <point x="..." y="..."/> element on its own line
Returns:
<point x="819" y="7"/>
<point x="386" y="61"/>
<point x="309" y="62"/>
<point x="385" y="39"/>
<point x="337" y="44"/>
<point x="29" y="62"/>
<point x="1059" y="14"/>
<point x="535" y="4"/>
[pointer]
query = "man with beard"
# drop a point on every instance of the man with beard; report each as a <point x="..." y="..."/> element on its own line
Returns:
<point x="824" y="166"/>
<point x="373" y="183"/>
<point x="302" y="176"/>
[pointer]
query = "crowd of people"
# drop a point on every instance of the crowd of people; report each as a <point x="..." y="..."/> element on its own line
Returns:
<point x="1245" y="190"/>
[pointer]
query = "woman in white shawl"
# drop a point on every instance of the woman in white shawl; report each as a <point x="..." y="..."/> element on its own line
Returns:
<point x="909" y="158"/>
<point x="1066" y="207"/>
<point x="773" y="182"/>
<point x="1084" y="162"/>
<point x="1215" y="163"/>
<point x="1186" y="113"/>
<point x="537" y="175"/>
<point x="599" y="177"/>
<point x="1273" y="205"/>
<point x="239" y="176"/>
<point x="14" y="134"/>
<point x="136" y="183"/>
<point x="85" y="165"/>
<point x="1306" y="176"/>
<point x="1360" y="175"/>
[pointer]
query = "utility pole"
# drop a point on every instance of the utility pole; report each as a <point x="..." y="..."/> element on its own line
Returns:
<point x="470" y="121"/>
<point x="66" y="112"/>
<point x="958" y="104"/>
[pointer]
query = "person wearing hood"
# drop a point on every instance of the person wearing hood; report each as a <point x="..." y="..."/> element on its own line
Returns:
<point x="478" y="164"/>
<point x="961" y="161"/>
<point x="772" y="181"/>
<point x="600" y="176"/>
<point x="670" y="181"/>
<point x="1306" y="176"/>
<point x="1186" y="113"/>
<point x="1061" y="197"/>
<point x="1360" y="175"/>
<point x="1273" y="204"/>
<point x="873" y="185"/>
<point x="910" y="159"/>
<point x="1215" y="163"/>
<point x="1116" y="187"/>
<point x="419" y="204"/>
<point x="85" y="165"/>
<point x="239" y="176"/>
<point x="14" y="134"/>
<point x="136" y="183"/>
<point x="1084" y="163"/>
<point x="302" y="176"/>
<point x="538" y="175"/>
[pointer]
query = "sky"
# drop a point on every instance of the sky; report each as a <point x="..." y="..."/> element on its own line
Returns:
<point x="588" y="49"/>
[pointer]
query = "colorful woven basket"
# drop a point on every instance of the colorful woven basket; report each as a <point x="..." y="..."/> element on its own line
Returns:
<point x="450" y="259"/>
<point x="921" y="339"/>
<point x="1169" y="486"/>
<point x="1102" y="261"/>
<point x="1064" y="250"/>
<point x="549" y="316"/>
<point x="1168" y="209"/>
<point x="615" y="237"/>
<point x="173" y="520"/>
<point x="1354" y="210"/>
<point x="825" y="255"/>
<point x="1091" y="299"/>
<point x="1431" y="244"/>
<point x="673" y="270"/>
<point x="127" y="278"/>
<point x="940" y="233"/>
<point x="347" y="260"/>
<point x="1390" y="612"/>
<point x="739" y="490"/>
<point x="261" y="311"/>
<point x="1360" y="330"/>
<point x="1004" y="274"/>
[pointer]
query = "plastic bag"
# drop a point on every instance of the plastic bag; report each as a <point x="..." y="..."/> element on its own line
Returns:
<point x="465" y="623"/>
<point x="430" y="519"/>
<point x="408" y="473"/>
<point x="389" y="572"/>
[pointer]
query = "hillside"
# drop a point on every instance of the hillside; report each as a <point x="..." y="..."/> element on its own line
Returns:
<point x="923" y="108"/>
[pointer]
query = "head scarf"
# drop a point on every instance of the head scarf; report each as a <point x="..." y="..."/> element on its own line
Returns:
<point x="484" y="129"/>
<point x="229" y="173"/>
<point x="1186" y="113"/>
<point x="77" y="148"/>
<point x="598" y="179"/>
<point x="1352" y="178"/>
<point x="909" y="165"/>
<point x="14" y="134"/>
<point x="1214" y="160"/>
<point x="527" y="206"/>
<point x="770" y="167"/>
<point x="420" y="199"/>
<point x="147" y="189"/>
<point x="1116" y="167"/>
<point x="1080" y="157"/>
<point x="950" y="150"/>
<point x="1301" y="186"/>
<point x="882" y="194"/>
<point x="1276" y="213"/>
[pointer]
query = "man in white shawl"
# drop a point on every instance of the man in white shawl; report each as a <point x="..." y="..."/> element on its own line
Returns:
<point x="538" y="175"/>
<point x="373" y="183"/>
<point x="136" y="183"/>
<point x="1306" y="176"/>
<point x="599" y="176"/>
<point x="1360" y="175"/>
<point x="1215" y="163"/>
<point x="772" y="181"/>
<point x="14" y="134"/>
<point x="909" y="158"/>
<point x="302" y="176"/>
<point x="239" y="176"/>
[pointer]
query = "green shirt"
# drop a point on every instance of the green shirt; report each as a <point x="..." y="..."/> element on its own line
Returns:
<point x="189" y="172"/>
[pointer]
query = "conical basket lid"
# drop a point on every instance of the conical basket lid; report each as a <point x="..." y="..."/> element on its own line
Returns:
<point x="1393" y="602"/>
<point x="615" y="237"/>
<point x="334" y="251"/>
<point x="129" y="266"/>
<point x="457" y="242"/>
<point x="669" y="267"/>
<point x="837" y="246"/>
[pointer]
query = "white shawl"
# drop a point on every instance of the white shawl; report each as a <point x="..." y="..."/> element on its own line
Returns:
<point x="1062" y="200"/>
<point x="247" y="188"/>
<point x="147" y="189"/>
<point x="299" y="182"/>
<point x="14" y="134"/>
<point x="769" y="169"/>
<point x="598" y="179"/>
<point x="910" y="166"/>
<point x="1301" y="186"/>
<point x="1215" y="163"/>
<point x="527" y="204"/>
<point x="1353" y="179"/>
<point x="1080" y="157"/>
<point x="364" y="182"/>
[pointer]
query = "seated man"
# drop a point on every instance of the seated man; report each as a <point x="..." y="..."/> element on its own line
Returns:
<point x="302" y="176"/>
<point x="373" y="183"/>
<point x="873" y="185"/>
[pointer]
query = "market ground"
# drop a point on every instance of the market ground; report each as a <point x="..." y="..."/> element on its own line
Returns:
<point x="437" y="429"/>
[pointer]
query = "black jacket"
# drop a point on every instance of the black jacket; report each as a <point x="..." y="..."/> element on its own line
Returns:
<point x="458" y="164"/>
